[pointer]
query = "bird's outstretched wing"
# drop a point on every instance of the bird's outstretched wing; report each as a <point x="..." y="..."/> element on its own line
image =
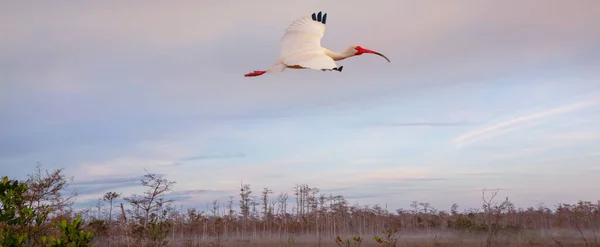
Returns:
<point x="301" y="43"/>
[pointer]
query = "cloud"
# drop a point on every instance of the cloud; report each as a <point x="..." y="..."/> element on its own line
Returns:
<point x="215" y="156"/>
<point x="103" y="185"/>
<point x="491" y="173"/>
<point x="373" y="161"/>
<point x="404" y="184"/>
<point x="426" y="124"/>
<point x="189" y="192"/>
<point x="122" y="167"/>
<point x="364" y="196"/>
<point x="111" y="180"/>
<point x="156" y="24"/>
<point x="393" y="175"/>
<point x="575" y="137"/>
<point x="336" y="189"/>
<point x="273" y="176"/>
<point x="521" y="153"/>
<point x="518" y="123"/>
<point x="187" y="195"/>
<point x="481" y="173"/>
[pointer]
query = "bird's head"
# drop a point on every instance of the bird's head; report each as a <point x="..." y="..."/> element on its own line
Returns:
<point x="357" y="50"/>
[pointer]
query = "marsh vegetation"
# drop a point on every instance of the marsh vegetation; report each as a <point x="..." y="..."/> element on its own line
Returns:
<point x="38" y="211"/>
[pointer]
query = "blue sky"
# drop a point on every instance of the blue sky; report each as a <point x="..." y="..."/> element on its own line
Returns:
<point x="498" y="95"/>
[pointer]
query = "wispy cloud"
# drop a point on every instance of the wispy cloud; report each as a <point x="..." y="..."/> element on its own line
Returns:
<point x="214" y="156"/>
<point x="184" y="195"/>
<point x="480" y="173"/>
<point x="336" y="189"/>
<point x="373" y="161"/>
<point x="387" y="174"/>
<point x="526" y="152"/>
<point x="488" y="174"/>
<point x="365" y="196"/>
<point x="518" y="123"/>
<point x="576" y="137"/>
<point x="182" y="161"/>
<point x="427" y="124"/>
<point x="103" y="185"/>
<point x="189" y="192"/>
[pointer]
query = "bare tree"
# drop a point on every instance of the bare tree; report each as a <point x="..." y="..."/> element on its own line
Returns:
<point x="494" y="212"/>
<point x="150" y="203"/>
<point x="230" y="218"/>
<point x="48" y="195"/>
<point x="282" y="199"/>
<point x="266" y="215"/>
<point x="110" y="197"/>
<point x="245" y="200"/>
<point x="46" y="190"/>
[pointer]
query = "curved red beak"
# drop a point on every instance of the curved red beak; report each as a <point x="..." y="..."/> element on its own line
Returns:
<point x="360" y="51"/>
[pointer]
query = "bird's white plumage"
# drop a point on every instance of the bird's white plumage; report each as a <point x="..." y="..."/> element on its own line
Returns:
<point x="303" y="33"/>
<point x="301" y="45"/>
<point x="277" y="67"/>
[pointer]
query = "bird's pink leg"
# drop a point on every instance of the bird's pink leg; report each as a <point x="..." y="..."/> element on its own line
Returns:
<point x="255" y="73"/>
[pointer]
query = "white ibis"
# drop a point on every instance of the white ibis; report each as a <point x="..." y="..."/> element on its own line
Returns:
<point x="300" y="48"/>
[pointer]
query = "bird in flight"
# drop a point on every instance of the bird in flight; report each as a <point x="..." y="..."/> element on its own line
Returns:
<point x="300" y="48"/>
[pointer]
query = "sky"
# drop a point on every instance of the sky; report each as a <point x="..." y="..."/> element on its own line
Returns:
<point x="488" y="94"/>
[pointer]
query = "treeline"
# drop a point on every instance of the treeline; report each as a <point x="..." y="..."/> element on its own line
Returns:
<point x="37" y="212"/>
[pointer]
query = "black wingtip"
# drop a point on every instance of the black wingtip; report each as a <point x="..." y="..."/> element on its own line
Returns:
<point x="320" y="17"/>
